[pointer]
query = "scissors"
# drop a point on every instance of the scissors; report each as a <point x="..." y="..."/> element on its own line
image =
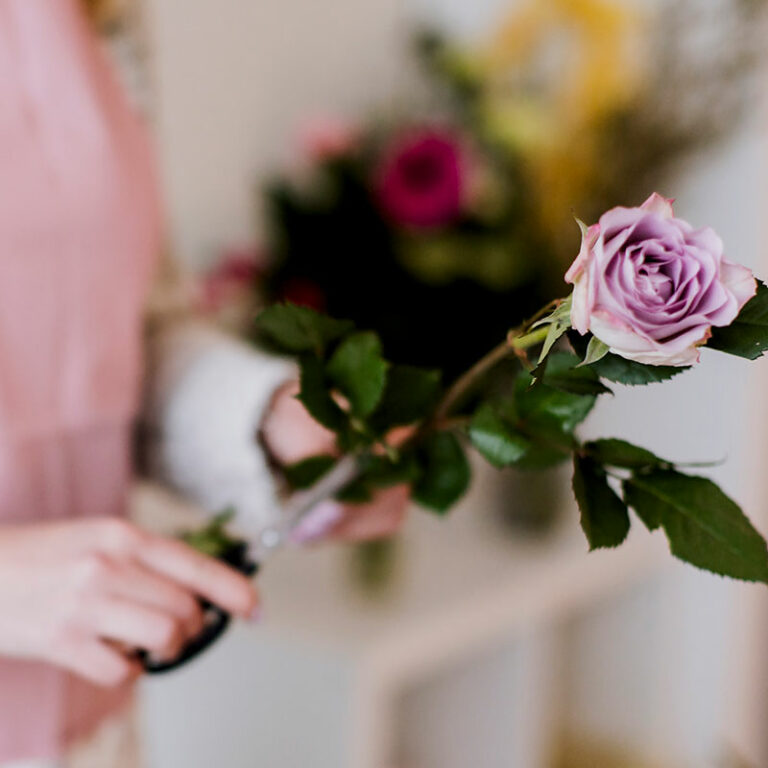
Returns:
<point x="249" y="556"/>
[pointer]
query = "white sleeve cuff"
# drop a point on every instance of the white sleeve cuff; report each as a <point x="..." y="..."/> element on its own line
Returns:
<point x="206" y="398"/>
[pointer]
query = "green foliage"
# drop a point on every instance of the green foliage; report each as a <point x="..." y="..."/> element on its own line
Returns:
<point x="348" y="386"/>
<point x="604" y="515"/>
<point x="316" y="396"/>
<point x="496" y="439"/>
<point x="618" y="369"/>
<point x="213" y="539"/>
<point x="296" y="330"/>
<point x="747" y="336"/>
<point x="359" y="371"/>
<point x="533" y="426"/>
<point x="410" y="395"/>
<point x="445" y="472"/>
<point x="306" y="473"/>
<point x="544" y="408"/>
<point x="596" y="351"/>
<point x="558" y="322"/>
<point x="619" y="453"/>
<point x="704" y="526"/>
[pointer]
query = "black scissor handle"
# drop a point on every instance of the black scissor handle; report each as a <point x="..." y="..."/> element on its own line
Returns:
<point x="216" y="620"/>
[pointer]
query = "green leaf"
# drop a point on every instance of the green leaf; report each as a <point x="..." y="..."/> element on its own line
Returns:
<point x="410" y="395"/>
<point x="298" y="330"/>
<point x="704" y="527"/>
<point x="554" y="332"/>
<point x="559" y="322"/>
<point x="306" y="473"/>
<point x="543" y="406"/>
<point x="596" y="350"/>
<point x="383" y="472"/>
<point x="316" y="397"/>
<point x="620" y="453"/>
<point x="566" y="375"/>
<point x="747" y="335"/>
<point x="620" y="370"/>
<point x="359" y="371"/>
<point x="604" y="516"/>
<point x="358" y="491"/>
<point x="542" y="455"/>
<point x="213" y="539"/>
<point x="445" y="472"/>
<point x="496" y="440"/>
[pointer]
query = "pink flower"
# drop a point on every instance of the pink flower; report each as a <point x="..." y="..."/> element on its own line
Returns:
<point x="650" y="286"/>
<point x="325" y="138"/>
<point x="421" y="181"/>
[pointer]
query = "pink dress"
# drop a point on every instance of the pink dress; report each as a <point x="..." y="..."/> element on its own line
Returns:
<point x="78" y="235"/>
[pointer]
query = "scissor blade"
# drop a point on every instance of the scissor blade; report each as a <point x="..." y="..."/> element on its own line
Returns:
<point x="299" y="507"/>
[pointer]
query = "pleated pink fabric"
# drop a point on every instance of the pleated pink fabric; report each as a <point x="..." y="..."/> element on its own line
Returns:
<point x="79" y="229"/>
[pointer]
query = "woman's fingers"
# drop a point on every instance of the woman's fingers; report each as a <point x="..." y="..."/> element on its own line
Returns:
<point x="98" y="663"/>
<point x="135" y="625"/>
<point x="191" y="570"/>
<point x="382" y="517"/>
<point x="202" y="575"/>
<point x="290" y="433"/>
<point x="137" y="584"/>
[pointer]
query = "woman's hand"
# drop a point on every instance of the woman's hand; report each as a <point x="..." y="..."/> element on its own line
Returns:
<point x="75" y="593"/>
<point x="292" y="435"/>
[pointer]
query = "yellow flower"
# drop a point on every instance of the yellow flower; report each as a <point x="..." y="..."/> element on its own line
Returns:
<point x="554" y="70"/>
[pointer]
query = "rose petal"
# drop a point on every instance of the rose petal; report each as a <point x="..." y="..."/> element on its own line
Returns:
<point x="739" y="281"/>
<point x="660" y="205"/>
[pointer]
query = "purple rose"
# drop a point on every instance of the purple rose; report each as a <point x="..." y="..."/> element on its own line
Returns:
<point x="420" y="182"/>
<point x="650" y="286"/>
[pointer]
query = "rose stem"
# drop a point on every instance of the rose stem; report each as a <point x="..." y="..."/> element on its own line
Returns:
<point x="514" y="344"/>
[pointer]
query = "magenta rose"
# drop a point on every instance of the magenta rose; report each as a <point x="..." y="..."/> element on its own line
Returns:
<point x="420" y="182"/>
<point x="650" y="286"/>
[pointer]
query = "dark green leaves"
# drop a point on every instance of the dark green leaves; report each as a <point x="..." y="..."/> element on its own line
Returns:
<point x="533" y="427"/>
<point x="620" y="453"/>
<point x="545" y="406"/>
<point x="562" y="371"/>
<point x="495" y="439"/>
<point x="410" y="394"/>
<point x="747" y="335"/>
<point x="620" y="370"/>
<point x="604" y="516"/>
<point x="445" y="472"/>
<point x="359" y="371"/>
<point x="704" y="527"/>
<point x="306" y="473"/>
<point x="297" y="330"/>
<point x="316" y="396"/>
<point x="348" y="386"/>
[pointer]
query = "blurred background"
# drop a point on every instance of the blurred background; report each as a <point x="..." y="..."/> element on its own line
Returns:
<point x="410" y="163"/>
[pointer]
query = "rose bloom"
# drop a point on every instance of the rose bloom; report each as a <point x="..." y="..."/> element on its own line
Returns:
<point x="420" y="182"/>
<point x="650" y="286"/>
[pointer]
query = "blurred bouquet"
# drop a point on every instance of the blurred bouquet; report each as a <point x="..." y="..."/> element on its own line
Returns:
<point x="457" y="210"/>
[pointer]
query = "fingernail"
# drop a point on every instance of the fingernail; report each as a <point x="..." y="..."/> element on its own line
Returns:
<point x="255" y="615"/>
<point x="318" y="522"/>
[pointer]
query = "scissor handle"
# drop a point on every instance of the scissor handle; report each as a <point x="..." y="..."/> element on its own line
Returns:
<point x="216" y="620"/>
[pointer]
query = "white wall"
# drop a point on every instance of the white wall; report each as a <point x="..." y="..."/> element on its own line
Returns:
<point x="234" y="79"/>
